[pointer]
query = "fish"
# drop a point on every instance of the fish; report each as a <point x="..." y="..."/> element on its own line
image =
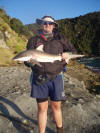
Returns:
<point x="40" y="47"/>
<point x="37" y="56"/>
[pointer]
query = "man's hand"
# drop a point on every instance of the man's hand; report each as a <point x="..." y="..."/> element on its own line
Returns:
<point x="65" y="56"/>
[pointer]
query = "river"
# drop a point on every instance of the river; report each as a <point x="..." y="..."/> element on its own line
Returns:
<point x="92" y="63"/>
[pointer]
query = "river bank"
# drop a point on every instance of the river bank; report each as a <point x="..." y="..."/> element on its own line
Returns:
<point x="82" y="73"/>
<point x="92" y="63"/>
<point x="81" y="109"/>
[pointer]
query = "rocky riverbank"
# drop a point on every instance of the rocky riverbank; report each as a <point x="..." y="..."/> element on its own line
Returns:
<point x="81" y="109"/>
<point x="91" y="79"/>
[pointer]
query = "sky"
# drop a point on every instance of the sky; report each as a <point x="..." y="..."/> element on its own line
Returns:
<point x="29" y="10"/>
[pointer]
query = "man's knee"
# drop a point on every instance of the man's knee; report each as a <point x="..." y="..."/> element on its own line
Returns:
<point x="43" y="107"/>
<point x="56" y="105"/>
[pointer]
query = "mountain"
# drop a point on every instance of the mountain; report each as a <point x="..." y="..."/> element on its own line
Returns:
<point x="33" y="28"/>
<point x="82" y="31"/>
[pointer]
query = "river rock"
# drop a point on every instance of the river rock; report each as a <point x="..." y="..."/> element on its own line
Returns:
<point x="2" y="40"/>
<point x="18" y="111"/>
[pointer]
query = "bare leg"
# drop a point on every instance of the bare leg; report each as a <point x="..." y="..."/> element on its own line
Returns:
<point x="42" y="116"/>
<point x="57" y="112"/>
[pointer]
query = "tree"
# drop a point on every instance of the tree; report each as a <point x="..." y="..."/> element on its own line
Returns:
<point x="16" y="25"/>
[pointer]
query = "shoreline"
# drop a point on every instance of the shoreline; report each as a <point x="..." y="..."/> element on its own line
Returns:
<point x="90" y="78"/>
<point x="93" y="70"/>
<point x="91" y="63"/>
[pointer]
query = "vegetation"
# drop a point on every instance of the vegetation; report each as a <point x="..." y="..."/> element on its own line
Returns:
<point x="83" y="32"/>
<point x="33" y="28"/>
<point x="5" y="17"/>
<point x="15" y="24"/>
<point x="6" y="56"/>
<point x="18" y="27"/>
<point x="14" y="41"/>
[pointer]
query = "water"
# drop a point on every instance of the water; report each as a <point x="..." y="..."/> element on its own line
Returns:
<point x="92" y="63"/>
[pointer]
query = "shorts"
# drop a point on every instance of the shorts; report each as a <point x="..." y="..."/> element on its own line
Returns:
<point x="52" y="88"/>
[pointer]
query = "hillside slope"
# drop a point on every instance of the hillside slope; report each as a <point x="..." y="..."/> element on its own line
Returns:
<point x="83" y="32"/>
<point x="11" y="42"/>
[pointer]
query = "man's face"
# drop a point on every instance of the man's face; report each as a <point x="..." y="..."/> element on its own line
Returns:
<point x="48" y="27"/>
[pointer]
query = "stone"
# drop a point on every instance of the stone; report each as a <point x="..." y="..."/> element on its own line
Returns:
<point x="2" y="40"/>
<point x="81" y="110"/>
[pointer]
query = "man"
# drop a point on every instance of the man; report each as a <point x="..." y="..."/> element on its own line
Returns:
<point x="47" y="80"/>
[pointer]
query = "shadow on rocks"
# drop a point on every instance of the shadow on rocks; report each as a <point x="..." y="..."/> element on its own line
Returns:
<point x="6" y="114"/>
<point x="16" y="109"/>
<point x="14" y="120"/>
<point x="16" y="124"/>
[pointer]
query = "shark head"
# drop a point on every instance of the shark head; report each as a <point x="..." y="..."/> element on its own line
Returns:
<point x="22" y="59"/>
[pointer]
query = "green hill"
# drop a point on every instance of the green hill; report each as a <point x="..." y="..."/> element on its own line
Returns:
<point x="11" y="42"/>
<point x="83" y="32"/>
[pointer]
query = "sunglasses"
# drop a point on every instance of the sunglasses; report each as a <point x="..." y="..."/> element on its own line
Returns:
<point x="46" y="23"/>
